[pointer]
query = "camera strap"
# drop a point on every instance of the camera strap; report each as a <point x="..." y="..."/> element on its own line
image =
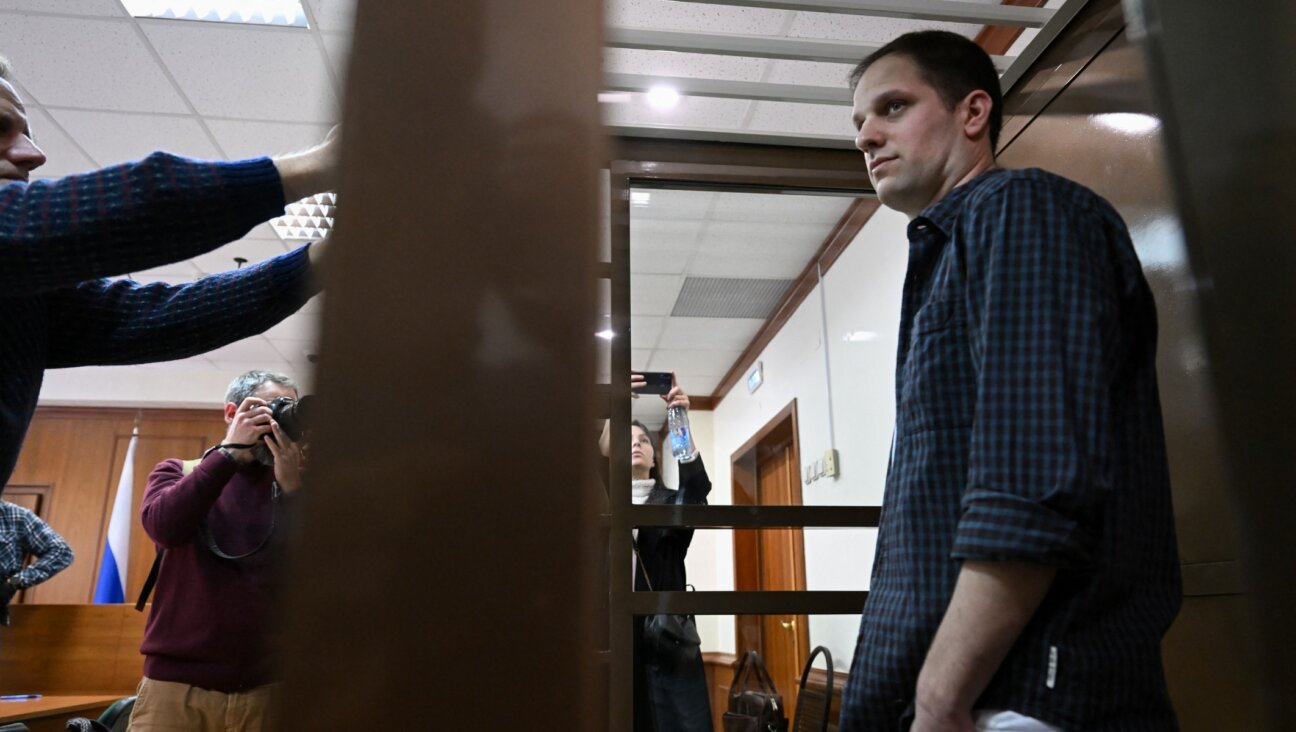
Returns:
<point x="187" y="467"/>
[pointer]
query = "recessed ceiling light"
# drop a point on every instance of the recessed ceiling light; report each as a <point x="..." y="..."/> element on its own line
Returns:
<point x="255" y="12"/>
<point x="662" y="97"/>
<point x="605" y="334"/>
<point x="309" y="219"/>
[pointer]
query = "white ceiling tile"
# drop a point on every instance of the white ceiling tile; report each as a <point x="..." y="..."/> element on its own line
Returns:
<point x="222" y="259"/>
<point x="236" y="366"/>
<point x="177" y="272"/>
<point x="250" y="73"/>
<point x="867" y="29"/>
<point x="702" y="112"/>
<point x="264" y="232"/>
<point x="781" y="208"/>
<point x="704" y="333"/>
<point x="760" y="250"/>
<point x="639" y="358"/>
<point x="333" y="15"/>
<point x="256" y="348"/>
<point x="295" y="350"/>
<point x="645" y="330"/>
<point x="802" y="119"/>
<point x="694" y="362"/>
<point x="87" y="62"/>
<point x="662" y="247"/>
<point x="299" y="327"/>
<point x="62" y="155"/>
<point x="241" y="139"/>
<point x="107" y="8"/>
<point x="654" y="294"/>
<point x="338" y="48"/>
<point x="668" y="14"/>
<point x="669" y="204"/>
<point x="114" y="137"/>
<point x="810" y="73"/>
<point x="691" y="65"/>
<point x="313" y="306"/>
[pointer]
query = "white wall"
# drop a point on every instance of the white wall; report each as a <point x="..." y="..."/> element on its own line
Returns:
<point x="147" y="385"/>
<point x="844" y="391"/>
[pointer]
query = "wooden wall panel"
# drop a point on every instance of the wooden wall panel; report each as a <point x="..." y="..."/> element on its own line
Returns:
<point x="78" y="455"/>
<point x="72" y="649"/>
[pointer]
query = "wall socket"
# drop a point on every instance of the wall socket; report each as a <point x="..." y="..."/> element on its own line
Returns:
<point x="830" y="463"/>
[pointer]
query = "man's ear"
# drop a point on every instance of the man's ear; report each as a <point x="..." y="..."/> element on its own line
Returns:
<point x="976" y="123"/>
<point x="230" y="411"/>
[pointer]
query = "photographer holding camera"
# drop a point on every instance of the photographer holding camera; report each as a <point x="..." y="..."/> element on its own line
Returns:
<point x="209" y="642"/>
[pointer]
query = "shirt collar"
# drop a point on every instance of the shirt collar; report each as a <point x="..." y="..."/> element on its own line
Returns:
<point x="943" y="213"/>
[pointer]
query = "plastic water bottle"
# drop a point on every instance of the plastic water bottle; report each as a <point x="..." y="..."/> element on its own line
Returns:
<point x="681" y="438"/>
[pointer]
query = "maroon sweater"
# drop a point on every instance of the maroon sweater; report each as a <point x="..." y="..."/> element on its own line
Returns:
<point x="211" y="623"/>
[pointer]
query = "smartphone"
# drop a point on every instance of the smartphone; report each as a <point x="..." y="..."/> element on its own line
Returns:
<point x="658" y="382"/>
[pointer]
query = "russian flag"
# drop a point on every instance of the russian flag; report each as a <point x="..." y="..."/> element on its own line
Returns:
<point x="111" y="587"/>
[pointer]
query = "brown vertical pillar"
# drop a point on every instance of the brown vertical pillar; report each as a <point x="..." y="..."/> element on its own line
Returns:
<point x="443" y="576"/>
<point x="1232" y="175"/>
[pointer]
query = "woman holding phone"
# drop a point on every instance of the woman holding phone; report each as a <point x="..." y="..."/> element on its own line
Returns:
<point x="670" y="695"/>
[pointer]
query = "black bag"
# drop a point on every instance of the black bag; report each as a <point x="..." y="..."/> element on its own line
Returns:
<point x="754" y="704"/>
<point x="671" y="653"/>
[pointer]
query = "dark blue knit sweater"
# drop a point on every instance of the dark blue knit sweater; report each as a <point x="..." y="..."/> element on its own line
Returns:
<point x="59" y="239"/>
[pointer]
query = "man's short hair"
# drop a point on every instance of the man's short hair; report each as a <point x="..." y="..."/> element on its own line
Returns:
<point x="246" y="385"/>
<point x="4" y="68"/>
<point x="953" y="65"/>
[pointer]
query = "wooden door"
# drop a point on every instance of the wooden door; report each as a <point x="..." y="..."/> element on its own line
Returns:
<point x="765" y="472"/>
<point x="784" y="638"/>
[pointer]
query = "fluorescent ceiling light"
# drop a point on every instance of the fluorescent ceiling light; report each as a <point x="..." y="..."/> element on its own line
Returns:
<point x="662" y="97"/>
<point x="640" y="198"/>
<point x="255" y="12"/>
<point x="310" y="219"/>
<point x="614" y="97"/>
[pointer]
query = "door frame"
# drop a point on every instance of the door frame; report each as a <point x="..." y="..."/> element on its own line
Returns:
<point x="779" y="431"/>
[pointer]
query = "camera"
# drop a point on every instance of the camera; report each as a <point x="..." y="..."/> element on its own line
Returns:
<point x="293" y="415"/>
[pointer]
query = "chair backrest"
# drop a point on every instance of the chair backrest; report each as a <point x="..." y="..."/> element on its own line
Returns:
<point x="813" y="707"/>
<point x="117" y="717"/>
<point x="14" y="727"/>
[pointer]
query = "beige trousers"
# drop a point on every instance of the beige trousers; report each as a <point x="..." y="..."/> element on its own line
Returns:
<point x="165" y="706"/>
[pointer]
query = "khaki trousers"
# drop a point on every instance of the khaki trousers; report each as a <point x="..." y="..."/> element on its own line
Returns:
<point x="165" y="706"/>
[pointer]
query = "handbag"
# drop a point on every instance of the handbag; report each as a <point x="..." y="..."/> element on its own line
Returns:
<point x="754" y="704"/>
<point x="675" y="677"/>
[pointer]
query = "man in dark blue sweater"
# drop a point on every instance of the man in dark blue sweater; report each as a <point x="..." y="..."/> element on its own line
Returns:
<point x="61" y="239"/>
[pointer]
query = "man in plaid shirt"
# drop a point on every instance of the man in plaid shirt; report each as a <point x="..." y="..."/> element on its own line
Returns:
<point x="23" y="534"/>
<point x="60" y="240"/>
<point x="1026" y="567"/>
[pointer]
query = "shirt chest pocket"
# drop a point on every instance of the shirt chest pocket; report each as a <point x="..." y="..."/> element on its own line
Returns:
<point x="937" y="382"/>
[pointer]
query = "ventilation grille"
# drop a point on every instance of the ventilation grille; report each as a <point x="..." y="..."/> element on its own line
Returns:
<point x="722" y="297"/>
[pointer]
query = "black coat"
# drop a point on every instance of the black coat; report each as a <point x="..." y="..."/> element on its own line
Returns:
<point x="680" y="691"/>
<point x="662" y="549"/>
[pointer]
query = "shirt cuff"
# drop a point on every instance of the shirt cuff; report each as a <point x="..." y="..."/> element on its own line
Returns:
<point x="1002" y="526"/>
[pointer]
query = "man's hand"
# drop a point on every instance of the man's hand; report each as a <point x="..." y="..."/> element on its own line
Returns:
<point x="311" y="171"/>
<point x="251" y="423"/>
<point x="7" y="592"/>
<point x="287" y="459"/>
<point x="676" y="396"/>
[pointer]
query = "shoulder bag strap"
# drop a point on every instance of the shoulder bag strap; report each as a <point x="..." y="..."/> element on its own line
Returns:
<point x="186" y="467"/>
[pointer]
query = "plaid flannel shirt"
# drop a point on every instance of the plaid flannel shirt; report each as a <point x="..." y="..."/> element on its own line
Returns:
<point x="1028" y="427"/>
<point x="22" y="533"/>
